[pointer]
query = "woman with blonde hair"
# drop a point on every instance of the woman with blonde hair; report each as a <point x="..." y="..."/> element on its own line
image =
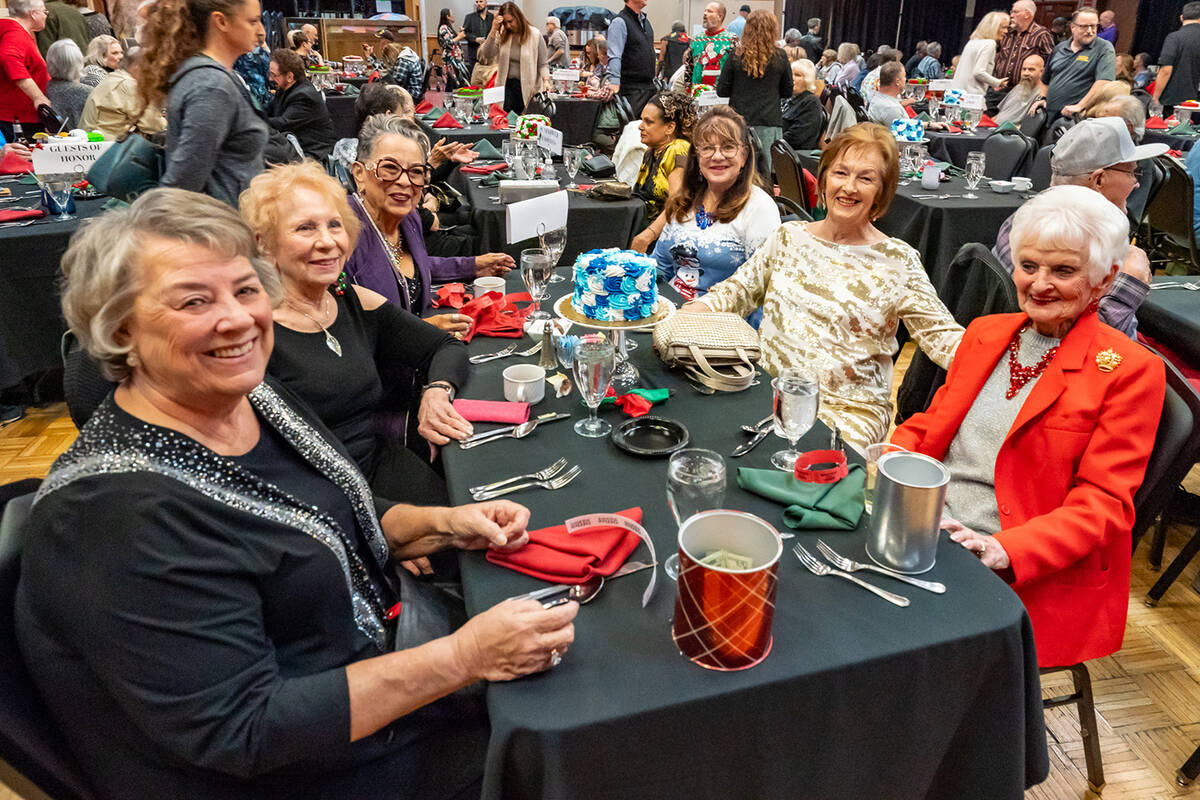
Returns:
<point x="521" y="58"/>
<point x="757" y="77"/>
<point x="829" y="66"/>
<point x="978" y="60"/>
<point x="802" y="114"/>
<point x="102" y="57"/>
<point x="847" y="57"/>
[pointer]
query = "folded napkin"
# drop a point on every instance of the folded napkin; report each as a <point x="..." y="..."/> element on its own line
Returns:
<point x="1183" y="129"/>
<point x="1175" y="154"/>
<point x="13" y="164"/>
<point x="1156" y="124"/>
<point x="924" y="117"/>
<point x="482" y="169"/>
<point x="637" y="402"/>
<point x="1007" y="126"/>
<point x="513" y="119"/>
<point x="433" y="113"/>
<point x="423" y="107"/>
<point x="450" y="295"/>
<point x="810" y="506"/>
<point x="954" y="127"/>
<point x="492" y="315"/>
<point x="494" y="178"/>
<point x="554" y="555"/>
<point x="14" y="214"/>
<point x="486" y="150"/>
<point x="986" y="122"/>
<point x="912" y="112"/>
<point x="29" y="179"/>
<point x="492" y="411"/>
<point x="447" y="121"/>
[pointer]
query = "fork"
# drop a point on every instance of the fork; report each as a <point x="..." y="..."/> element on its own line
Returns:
<point x="843" y="563"/>
<point x="533" y="351"/>
<point x="817" y="567"/>
<point x="485" y="357"/>
<point x="541" y="475"/>
<point x="556" y="483"/>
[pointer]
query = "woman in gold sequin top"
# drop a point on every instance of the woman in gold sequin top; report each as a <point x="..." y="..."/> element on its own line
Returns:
<point x="834" y="292"/>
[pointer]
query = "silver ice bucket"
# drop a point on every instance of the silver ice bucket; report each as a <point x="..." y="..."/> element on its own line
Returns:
<point x="910" y="491"/>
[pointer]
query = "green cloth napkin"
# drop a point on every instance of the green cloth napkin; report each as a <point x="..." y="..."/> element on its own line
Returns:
<point x="512" y="119"/>
<point x="810" y="506"/>
<point x="655" y="396"/>
<point x="924" y="117"/>
<point x="1182" y="129"/>
<point x="1006" y="126"/>
<point x="487" y="150"/>
<point x="495" y="178"/>
<point x="433" y="114"/>
<point x="27" y="178"/>
<point x="112" y="203"/>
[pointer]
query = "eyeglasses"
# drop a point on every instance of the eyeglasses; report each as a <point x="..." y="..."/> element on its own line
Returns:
<point x="726" y="150"/>
<point x="1084" y="27"/>
<point x="1131" y="171"/>
<point x="388" y="170"/>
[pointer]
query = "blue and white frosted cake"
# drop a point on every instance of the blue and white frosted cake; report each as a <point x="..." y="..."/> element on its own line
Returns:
<point x="615" y="285"/>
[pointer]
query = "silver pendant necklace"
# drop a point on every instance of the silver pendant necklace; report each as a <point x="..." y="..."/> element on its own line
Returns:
<point x="330" y="340"/>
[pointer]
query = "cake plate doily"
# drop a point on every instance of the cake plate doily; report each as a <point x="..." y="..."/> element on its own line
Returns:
<point x="625" y="376"/>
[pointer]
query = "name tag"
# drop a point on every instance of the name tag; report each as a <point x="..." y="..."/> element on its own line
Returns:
<point x="1082" y="57"/>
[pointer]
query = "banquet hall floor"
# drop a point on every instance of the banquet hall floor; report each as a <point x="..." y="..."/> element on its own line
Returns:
<point x="1147" y="694"/>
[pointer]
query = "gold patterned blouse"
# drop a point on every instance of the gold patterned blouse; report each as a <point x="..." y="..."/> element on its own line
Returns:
<point x="835" y="309"/>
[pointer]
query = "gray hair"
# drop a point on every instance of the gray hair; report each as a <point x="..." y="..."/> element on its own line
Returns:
<point x="102" y="268"/>
<point x="1130" y="109"/>
<point x="792" y="37"/>
<point x="808" y="71"/>
<point x="98" y="49"/>
<point x="21" y="8"/>
<point x="64" y="60"/>
<point x="379" y="125"/>
<point x="933" y="49"/>
<point x="554" y="20"/>
<point x="1077" y="219"/>
<point x="847" y="51"/>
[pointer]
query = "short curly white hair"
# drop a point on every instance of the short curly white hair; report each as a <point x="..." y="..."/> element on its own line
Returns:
<point x="1073" y="218"/>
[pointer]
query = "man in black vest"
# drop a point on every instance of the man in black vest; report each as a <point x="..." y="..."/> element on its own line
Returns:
<point x="631" y="55"/>
<point x="476" y="27"/>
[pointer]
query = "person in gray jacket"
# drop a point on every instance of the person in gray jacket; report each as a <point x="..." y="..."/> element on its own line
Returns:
<point x="215" y="135"/>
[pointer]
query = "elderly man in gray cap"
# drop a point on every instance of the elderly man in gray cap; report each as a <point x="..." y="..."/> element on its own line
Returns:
<point x="1100" y="154"/>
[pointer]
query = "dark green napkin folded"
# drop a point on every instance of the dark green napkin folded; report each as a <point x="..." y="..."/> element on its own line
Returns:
<point x="810" y="506"/>
<point x="487" y="151"/>
<point x="1182" y="129"/>
<point x="433" y="114"/>
<point x="1006" y="126"/>
<point x="495" y="178"/>
<point x="512" y="119"/>
<point x="924" y="117"/>
<point x="27" y="178"/>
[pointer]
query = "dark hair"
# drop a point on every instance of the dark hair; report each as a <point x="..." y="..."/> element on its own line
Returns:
<point x="290" y="61"/>
<point x="814" y="22"/>
<point x="745" y="8"/>
<point x="522" y="31"/>
<point x="175" y="31"/>
<point x="375" y="98"/>
<point x="676" y="107"/>
<point x="889" y="72"/>
<point x="1190" y="10"/>
<point x="444" y="17"/>
<point x="721" y="124"/>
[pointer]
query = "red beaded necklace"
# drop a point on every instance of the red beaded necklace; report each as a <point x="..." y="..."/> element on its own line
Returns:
<point x="1018" y="375"/>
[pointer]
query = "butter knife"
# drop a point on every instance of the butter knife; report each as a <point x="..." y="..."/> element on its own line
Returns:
<point x="549" y="416"/>
<point x="629" y="568"/>
<point x="742" y="449"/>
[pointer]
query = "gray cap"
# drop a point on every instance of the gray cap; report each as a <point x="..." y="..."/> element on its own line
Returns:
<point x="1096" y="144"/>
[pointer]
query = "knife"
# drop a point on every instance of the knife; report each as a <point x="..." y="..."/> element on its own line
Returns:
<point x="549" y="416"/>
<point x="629" y="568"/>
<point x="742" y="449"/>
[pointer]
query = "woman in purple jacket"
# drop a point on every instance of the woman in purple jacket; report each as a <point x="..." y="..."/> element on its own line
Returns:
<point x="391" y="172"/>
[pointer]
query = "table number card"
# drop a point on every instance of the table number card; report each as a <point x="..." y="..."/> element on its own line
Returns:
<point x="570" y="75"/>
<point x="941" y="85"/>
<point x="551" y="139"/>
<point x="710" y="99"/>
<point x="973" y="102"/>
<point x="524" y="217"/>
<point x="495" y="95"/>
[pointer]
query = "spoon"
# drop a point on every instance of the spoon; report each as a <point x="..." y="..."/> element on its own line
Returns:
<point x="519" y="432"/>
<point x="582" y="593"/>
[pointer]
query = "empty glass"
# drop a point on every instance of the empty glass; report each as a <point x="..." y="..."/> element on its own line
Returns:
<point x="535" y="272"/>
<point x="508" y="149"/>
<point x="976" y="161"/>
<point x="797" y="395"/>
<point x="553" y="242"/>
<point x="594" y="359"/>
<point x="934" y="103"/>
<point x="572" y="160"/>
<point x="695" y="483"/>
<point x="527" y="160"/>
<point x="59" y="191"/>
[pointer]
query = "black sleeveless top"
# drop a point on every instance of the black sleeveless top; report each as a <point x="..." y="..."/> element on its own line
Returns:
<point x="637" y="59"/>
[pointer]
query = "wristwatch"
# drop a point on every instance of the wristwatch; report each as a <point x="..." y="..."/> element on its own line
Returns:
<point x="449" y="387"/>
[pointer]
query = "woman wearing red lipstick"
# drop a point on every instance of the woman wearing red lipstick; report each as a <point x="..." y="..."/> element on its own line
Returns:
<point x="1046" y="421"/>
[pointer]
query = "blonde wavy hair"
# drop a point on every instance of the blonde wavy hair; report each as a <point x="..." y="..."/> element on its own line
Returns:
<point x="757" y="43"/>
<point x="265" y="201"/>
<point x="991" y="25"/>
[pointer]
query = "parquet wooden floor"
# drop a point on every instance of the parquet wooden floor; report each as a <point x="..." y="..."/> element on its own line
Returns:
<point x="1147" y="695"/>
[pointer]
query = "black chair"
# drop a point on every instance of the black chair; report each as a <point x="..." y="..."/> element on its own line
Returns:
<point x="1085" y="705"/>
<point x="857" y="102"/>
<point x="1040" y="173"/>
<point x="1169" y="218"/>
<point x="788" y="174"/>
<point x="1056" y="130"/>
<point x="84" y="386"/>
<point x="35" y="760"/>
<point x="790" y="210"/>
<point x="1144" y="98"/>
<point x="1032" y="124"/>
<point x="1006" y="153"/>
<point x="1190" y="769"/>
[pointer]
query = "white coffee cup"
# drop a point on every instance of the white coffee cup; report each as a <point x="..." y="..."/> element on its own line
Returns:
<point x="524" y="383"/>
<point x="1022" y="184"/>
<point x="488" y="283"/>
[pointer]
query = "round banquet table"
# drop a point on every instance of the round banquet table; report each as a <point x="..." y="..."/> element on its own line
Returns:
<point x="953" y="147"/>
<point x="469" y="134"/>
<point x="857" y="698"/>
<point x="1171" y="316"/>
<point x="576" y="118"/>
<point x="1174" y="141"/>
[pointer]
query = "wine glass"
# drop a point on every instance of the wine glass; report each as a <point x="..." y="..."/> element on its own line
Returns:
<point x="695" y="483"/>
<point x="797" y="395"/>
<point x="933" y="107"/>
<point x="975" y="165"/>
<point x="535" y="271"/>
<point x="553" y="242"/>
<point x="507" y="149"/>
<point x="529" y="160"/>
<point x="565" y="345"/>
<point x="593" y="373"/>
<point x="59" y="190"/>
<point x="572" y="161"/>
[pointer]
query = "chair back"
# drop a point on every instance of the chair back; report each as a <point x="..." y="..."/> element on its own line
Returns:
<point x="787" y="173"/>
<point x="1056" y="130"/>
<point x="1032" y="124"/>
<point x="30" y="742"/>
<point x="1040" y="173"/>
<point x="791" y="211"/>
<point x="1169" y="212"/>
<point x="1006" y="153"/>
<point x="857" y="102"/>
<point x="84" y="386"/>
<point x="1144" y="98"/>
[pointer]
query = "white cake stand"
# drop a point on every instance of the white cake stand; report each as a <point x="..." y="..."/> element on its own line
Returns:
<point x="625" y="376"/>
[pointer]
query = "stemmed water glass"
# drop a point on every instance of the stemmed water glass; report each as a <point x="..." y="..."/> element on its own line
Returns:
<point x="797" y="395"/>
<point x="976" y="161"/>
<point x="553" y="242"/>
<point x="695" y="483"/>
<point x="59" y="191"/>
<point x="535" y="272"/>
<point x="572" y="161"/>
<point x="527" y="155"/>
<point x="507" y="148"/>
<point x="594" y="359"/>
<point x="933" y="107"/>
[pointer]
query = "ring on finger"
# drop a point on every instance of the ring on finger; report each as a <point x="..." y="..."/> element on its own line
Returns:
<point x="555" y="658"/>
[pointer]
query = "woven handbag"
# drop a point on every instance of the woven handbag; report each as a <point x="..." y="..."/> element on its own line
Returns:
<point x="718" y="350"/>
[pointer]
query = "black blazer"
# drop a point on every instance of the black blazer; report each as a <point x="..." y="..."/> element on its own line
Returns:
<point x="300" y="110"/>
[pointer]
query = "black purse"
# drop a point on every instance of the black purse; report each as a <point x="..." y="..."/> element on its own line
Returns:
<point x="599" y="166"/>
<point x="541" y="103"/>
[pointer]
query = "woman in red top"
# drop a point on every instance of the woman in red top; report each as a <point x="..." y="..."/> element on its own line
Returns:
<point x="23" y="75"/>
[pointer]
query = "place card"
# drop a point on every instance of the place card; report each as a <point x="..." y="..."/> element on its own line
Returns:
<point x="494" y="95"/>
<point x="707" y="99"/>
<point x="941" y="85"/>
<point x="58" y="158"/>
<point x="973" y="102"/>
<point x="552" y="140"/>
<point x="565" y="75"/>
<point x="524" y="218"/>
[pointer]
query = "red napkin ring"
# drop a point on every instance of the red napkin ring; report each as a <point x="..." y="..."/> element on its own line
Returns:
<point x="828" y="474"/>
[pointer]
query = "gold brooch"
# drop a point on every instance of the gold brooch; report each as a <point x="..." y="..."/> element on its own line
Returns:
<point x="1108" y="360"/>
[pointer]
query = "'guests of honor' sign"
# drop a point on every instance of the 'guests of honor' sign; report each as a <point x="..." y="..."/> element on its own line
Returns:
<point x="57" y="158"/>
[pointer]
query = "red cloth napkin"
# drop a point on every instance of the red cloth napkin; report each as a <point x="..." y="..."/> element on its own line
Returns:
<point x="482" y="169"/>
<point x="554" y="555"/>
<point x="451" y="295"/>
<point x="987" y="122"/>
<point x="492" y="411"/>
<point x="497" y="118"/>
<point x="955" y="128"/>
<point x="1175" y="154"/>
<point x="13" y="164"/>
<point x="423" y="107"/>
<point x="911" y="113"/>
<point x="632" y="404"/>
<point x="1156" y="124"/>
<point x="447" y="121"/>
<point x="496" y="315"/>
<point x="13" y="214"/>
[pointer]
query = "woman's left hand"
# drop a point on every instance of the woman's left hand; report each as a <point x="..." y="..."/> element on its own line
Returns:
<point x="986" y="547"/>
<point x="496" y="524"/>
<point x="493" y="264"/>
<point x="437" y="421"/>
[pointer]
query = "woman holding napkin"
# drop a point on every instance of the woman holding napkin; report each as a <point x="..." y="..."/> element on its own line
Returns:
<point x="391" y="172"/>
<point x="834" y="292"/>
<point x="358" y="361"/>
<point x="1046" y="422"/>
<point x="520" y="56"/>
<point x="243" y="634"/>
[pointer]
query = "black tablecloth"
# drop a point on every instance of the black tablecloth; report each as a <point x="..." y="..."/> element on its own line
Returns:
<point x="576" y="118"/>
<point x="1180" y="143"/>
<point x="1172" y="316"/>
<point x="858" y="698"/>
<point x="31" y="324"/>
<point x="937" y="228"/>
<point x="953" y="147"/>
<point x="590" y="223"/>
<point x="470" y="134"/>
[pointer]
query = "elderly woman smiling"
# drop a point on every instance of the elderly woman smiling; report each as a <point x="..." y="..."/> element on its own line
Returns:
<point x="1046" y="421"/>
<point x="239" y="637"/>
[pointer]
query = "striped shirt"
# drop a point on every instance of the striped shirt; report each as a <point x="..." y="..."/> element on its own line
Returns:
<point x="1015" y="47"/>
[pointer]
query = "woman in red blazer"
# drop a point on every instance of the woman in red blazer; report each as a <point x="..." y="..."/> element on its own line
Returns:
<point x="1046" y="421"/>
